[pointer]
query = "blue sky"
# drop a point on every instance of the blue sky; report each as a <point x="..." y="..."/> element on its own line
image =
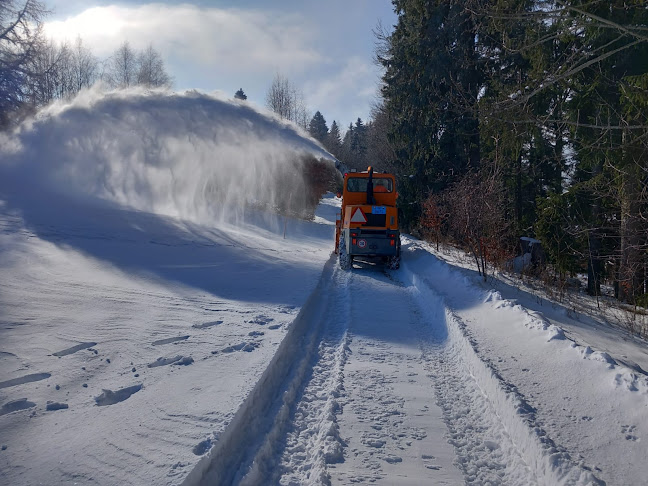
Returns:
<point x="324" y="48"/>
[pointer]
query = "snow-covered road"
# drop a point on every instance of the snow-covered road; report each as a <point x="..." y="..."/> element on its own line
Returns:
<point x="355" y="402"/>
<point x="388" y="388"/>
<point x="415" y="376"/>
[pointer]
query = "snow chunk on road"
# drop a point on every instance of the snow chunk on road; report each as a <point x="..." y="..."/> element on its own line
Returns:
<point x="109" y="397"/>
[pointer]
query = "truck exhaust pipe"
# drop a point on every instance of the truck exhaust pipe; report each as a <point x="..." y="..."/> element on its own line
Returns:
<point x="370" y="196"/>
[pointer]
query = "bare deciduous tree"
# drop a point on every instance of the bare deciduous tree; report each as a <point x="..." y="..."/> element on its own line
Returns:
<point x="85" y="67"/>
<point x="60" y="72"/>
<point x="122" y="67"/>
<point x="127" y="67"/>
<point x="473" y="213"/>
<point x="20" y="41"/>
<point x="44" y="80"/>
<point x="151" y="72"/>
<point x="279" y="97"/>
<point x="287" y="101"/>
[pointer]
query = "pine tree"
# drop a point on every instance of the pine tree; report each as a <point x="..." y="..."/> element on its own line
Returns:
<point x="431" y="88"/>
<point x="359" y="144"/>
<point x="345" y="151"/>
<point x="333" y="141"/>
<point x="317" y="127"/>
<point x="240" y="95"/>
<point x="380" y="153"/>
<point x="610" y="155"/>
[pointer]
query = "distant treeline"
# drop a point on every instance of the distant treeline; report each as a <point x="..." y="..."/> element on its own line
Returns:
<point x="361" y="143"/>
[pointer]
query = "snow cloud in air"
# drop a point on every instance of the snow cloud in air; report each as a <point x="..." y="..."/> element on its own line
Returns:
<point x="187" y="155"/>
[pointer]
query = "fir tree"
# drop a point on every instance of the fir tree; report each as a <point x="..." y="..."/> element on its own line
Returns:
<point x="333" y="141"/>
<point x="359" y="143"/>
<point x="346" y="153"/>
<point x="431" y="85"/>
<point x="240" y="95"/>
<point x="611" y="156"/>
<point x="317" y="127"/>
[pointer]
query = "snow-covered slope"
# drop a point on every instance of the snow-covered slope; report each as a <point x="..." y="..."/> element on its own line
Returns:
<point x="147" y="339"/>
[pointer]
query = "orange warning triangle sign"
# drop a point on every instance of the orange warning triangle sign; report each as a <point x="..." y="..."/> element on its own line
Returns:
<point x="358" y="216"/>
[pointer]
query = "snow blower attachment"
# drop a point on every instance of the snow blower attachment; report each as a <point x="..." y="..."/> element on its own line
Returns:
<point x="367" y="226"/>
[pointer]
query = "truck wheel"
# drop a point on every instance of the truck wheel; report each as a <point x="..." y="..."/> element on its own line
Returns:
<point x="345" y="259"/>
<point x="394" y="262"/>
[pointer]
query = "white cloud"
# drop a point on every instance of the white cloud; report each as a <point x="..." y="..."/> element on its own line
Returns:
<point x="326" y="55"/>
<point x="351" y="90"/>
<point x="248" y="41"/>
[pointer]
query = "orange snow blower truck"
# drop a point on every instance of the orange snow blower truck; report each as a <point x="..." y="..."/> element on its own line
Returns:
<point x="367" y="226"/>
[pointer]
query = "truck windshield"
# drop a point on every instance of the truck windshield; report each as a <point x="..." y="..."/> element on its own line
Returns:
<point x="359" y="184"/>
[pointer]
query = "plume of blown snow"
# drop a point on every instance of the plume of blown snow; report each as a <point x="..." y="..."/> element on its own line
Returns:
<point x="191" y="155"/>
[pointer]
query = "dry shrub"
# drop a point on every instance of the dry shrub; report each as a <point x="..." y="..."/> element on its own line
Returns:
<point x="473" y="213"/>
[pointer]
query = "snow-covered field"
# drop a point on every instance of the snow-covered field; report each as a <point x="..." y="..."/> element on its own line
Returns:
<point x="145" y="339"/>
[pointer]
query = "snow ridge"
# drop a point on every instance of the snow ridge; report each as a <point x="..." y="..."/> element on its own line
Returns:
<point x="243" y="452"/>
<point x="549" y="463"/>
<point x="624" y="378"/>
<point x="536" y="321"/>
<point x="315" y="439"/>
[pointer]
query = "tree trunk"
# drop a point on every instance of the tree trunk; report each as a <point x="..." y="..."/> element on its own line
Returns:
<point x="632" y="229"/>
<point x="594" y="264"/>
<point x="518" y="193"/>
<point x="594" y="267"/>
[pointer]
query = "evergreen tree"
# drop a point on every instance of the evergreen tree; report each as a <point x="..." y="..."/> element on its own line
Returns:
<point x="611" y="156"/>
<point x="549" y="97"/>
<point x="431" y="90"/>
<point x="317" y="127"/>
<point x="380" y="153"/>
<point x="359" y="144"/>
<point x="240" y="95"/>
<point x="345" y="151"/>
<point x="333" y="141"/>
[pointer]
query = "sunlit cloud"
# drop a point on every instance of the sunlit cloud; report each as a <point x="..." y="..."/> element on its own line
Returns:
<point x="357" y="73"/>
<point x="249" y="41"/>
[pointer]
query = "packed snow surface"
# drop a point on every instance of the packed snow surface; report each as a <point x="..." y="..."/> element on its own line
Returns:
<point x="150" y="335"/>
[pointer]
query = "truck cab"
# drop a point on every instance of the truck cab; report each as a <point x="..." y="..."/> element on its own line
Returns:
<point x="367" y="226"/>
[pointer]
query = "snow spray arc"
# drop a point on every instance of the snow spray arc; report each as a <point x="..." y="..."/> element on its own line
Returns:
<point x="192" y="155"/>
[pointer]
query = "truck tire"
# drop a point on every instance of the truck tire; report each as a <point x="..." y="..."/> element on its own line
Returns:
<point x="394" y="262"/>
<point x="344" y="258"/>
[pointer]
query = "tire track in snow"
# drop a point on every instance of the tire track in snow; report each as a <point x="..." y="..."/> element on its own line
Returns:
<point x="247" y="451"/>
<point x="486" y="454"/>
<point x="314" y="441"/>
<point x="393" y="431"/>
<point x="497" y="420"/>
<point x="350" y="398"/>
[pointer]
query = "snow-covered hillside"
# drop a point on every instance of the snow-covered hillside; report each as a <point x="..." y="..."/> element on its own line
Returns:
<point x="146" y="338"/>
